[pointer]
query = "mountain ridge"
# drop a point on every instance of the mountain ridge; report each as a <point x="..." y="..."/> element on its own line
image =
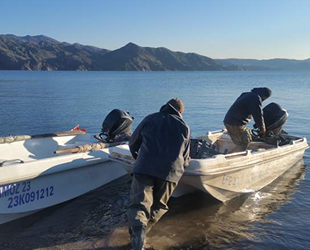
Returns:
<point x="267" y="64"/>
<point x="45" y="53"/>
<point x="41" y="52"/>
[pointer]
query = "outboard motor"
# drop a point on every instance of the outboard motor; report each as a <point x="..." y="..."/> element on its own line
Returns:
<point x="116" y="127"/>
<point x="275" y="117"/>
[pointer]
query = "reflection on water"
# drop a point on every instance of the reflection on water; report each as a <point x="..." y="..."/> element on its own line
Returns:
<point x="197" y="221"/>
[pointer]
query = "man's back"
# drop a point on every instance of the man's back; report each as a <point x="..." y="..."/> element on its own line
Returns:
<point x="247" y="104"/>
<point x="163" y="139"/>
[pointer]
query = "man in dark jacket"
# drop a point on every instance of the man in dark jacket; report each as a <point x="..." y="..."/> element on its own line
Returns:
<point x="160" y="145"/>
<point x="248" y="104"/>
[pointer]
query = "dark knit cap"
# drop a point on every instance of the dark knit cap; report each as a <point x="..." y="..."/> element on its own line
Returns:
<point x="262" y="92"/>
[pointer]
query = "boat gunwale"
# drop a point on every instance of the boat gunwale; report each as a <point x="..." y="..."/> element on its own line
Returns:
<point x="50" y="167"/>
<point x="20" y="138"/>
<point x="243" y="163"/>
<point x="299" y="144"/>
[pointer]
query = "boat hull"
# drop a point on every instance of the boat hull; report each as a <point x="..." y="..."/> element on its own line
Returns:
<point x="29" y="196"/>
<point x="32" y="185"/>
<point x="226" y="176"/>
<point x="224" y="187"/>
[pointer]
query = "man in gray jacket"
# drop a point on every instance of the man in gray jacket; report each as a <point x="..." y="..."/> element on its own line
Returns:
<point x="160" y="145"/>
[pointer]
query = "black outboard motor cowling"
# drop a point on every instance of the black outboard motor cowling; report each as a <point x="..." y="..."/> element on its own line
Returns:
<point x="274" y="117"/>
<point x="117" y="126"/>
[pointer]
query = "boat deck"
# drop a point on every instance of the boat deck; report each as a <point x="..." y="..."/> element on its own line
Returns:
<point x="221" y="143"/>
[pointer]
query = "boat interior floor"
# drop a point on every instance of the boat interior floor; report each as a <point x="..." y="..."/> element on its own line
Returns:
<point x="204" y="147"/>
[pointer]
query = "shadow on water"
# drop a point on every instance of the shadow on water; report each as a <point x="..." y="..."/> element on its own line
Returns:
<point x="98" y="220"/>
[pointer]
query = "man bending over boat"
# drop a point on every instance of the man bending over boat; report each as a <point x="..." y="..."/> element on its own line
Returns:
<point x="160" y="145"/>
<point x="247" y="104"/>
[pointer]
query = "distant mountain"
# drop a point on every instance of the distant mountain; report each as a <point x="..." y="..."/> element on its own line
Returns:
<point x="35" y="39"/>
<point x="45" y="53"/>
<point x="272" y="64"/>
<point x="133" y="57"/>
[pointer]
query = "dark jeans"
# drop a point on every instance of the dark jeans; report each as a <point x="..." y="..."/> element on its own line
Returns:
<point x="148" y="203"/>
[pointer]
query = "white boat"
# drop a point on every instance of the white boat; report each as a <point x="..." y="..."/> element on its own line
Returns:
<point x="226" y="176"/>
<point x="33" y="177"/>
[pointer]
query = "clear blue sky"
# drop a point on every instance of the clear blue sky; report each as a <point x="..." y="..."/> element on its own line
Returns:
<point x="259" y="29"/>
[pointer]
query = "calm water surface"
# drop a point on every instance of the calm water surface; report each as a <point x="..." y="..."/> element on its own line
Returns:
<point x="277" y="217"/>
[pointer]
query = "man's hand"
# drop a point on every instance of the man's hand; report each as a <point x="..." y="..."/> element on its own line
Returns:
<point x="135" y="155"/>
<point x="186" y="162"/>
<point x="262" y="132"/>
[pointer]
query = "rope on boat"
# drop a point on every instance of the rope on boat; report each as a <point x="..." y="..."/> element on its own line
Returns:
<point x="87" y="147"/>
<point x="123" y="158"/>
<point x="10" y="139"/>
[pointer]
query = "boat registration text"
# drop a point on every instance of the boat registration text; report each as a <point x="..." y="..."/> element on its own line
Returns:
<point x="229" y="180"/>
<point x="22" y="193"/>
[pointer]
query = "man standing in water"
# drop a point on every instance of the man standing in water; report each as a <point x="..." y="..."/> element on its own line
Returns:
<point x="160" y="145"/>
<point x="247" y="104"/>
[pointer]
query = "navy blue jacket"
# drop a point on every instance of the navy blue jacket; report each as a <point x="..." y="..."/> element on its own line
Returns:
<point x="160" y="145"/>
<point x="247" y="104"/>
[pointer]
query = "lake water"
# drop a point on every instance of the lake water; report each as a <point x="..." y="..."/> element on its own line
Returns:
<point x="277" y="217"/>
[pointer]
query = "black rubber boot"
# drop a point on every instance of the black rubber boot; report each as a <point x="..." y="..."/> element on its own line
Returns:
<point x="137" y="237"/>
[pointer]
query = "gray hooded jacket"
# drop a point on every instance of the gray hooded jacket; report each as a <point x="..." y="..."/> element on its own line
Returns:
<point x="160" y="145"/>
